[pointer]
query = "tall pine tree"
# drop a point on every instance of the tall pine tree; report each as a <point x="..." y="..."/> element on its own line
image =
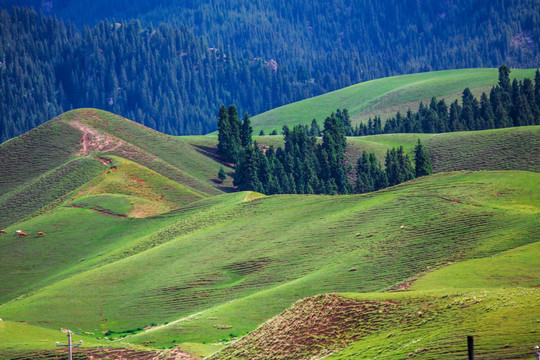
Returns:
<point x="422" y="160"/>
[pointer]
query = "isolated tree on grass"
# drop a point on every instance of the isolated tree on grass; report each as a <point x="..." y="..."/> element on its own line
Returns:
<point x="221" y="174"/>
<point x="422" y="161"/>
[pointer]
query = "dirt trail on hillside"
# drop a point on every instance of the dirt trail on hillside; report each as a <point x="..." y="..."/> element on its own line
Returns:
<point x="93" y="140"/>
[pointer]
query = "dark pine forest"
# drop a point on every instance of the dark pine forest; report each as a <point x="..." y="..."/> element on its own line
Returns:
<point x="179" y="61"/>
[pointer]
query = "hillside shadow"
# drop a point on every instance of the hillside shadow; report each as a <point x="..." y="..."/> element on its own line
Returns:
<point x="210" y="152"/>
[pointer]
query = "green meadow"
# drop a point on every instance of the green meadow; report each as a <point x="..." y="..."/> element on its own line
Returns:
<point x="384" y="97"/>
<point x="146" y="250"/>
<point x="225" y="265"/>
<point x="494" y="298"/>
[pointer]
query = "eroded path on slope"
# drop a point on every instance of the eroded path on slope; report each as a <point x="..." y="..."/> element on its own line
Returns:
<point x="93" y="140"/>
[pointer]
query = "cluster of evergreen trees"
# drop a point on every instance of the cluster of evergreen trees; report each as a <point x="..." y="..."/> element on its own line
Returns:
<point x="370" y="175"/>
<point x="165" y="78"/>
<point x="304" y="166"/>
<point x="334" y="43"/>
<point x="510" y="103"/>
<point x="256" y="54"/>
<point x="233" y="135"/>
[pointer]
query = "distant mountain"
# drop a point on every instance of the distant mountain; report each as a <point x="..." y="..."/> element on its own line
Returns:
<point x="258" y="55"/>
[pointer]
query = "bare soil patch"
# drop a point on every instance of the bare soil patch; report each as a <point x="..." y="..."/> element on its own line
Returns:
<point x="93" y="140"/>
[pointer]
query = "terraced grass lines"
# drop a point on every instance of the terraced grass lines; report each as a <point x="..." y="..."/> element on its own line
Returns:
<point x="501" y="149"/>
<point x="494" y="298"/>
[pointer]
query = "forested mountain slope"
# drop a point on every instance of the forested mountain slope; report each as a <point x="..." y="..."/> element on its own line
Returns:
<point x="258" y="55"/>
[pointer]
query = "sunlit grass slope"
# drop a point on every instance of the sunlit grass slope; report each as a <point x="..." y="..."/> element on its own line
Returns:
<point x="495" y="298"/>
<point x="406" y="325"/>
<point x="384" y="97"/>
<point x="18" y="336"/>
<point x="42" y="168"/>
<point x="130" y="189"/>
<point x="519" y="267"/>
<point x="501" y="149"/>
<point x="167" y="155"/>
<point x="241" y="262"/>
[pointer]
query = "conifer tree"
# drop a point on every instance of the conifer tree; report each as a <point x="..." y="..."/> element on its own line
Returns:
<point x="486" y="112"/>
<point x="392" y="167"/>
<point x="422" y="160"/>
<point x="315" y="130"/>
<point x="364" y="182"/>
<point x="236" y="127"/>
<point x="454" y="118"/>
<point x="505" y="88"/>
<point x="527" y="91"/>
<point x="504" y="78"/>
<point x="221" y="174"/>
<point x="467" y="110"/>
<point x="224" y="133"/>
<point x="246" y="131"/>
<point x="537" y="90"/>
<point x="406" y="171"/>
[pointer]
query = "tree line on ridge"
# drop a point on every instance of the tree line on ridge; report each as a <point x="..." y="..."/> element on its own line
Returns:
<point x="305" y="166"/>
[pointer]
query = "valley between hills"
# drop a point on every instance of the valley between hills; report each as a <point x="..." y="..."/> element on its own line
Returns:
<point x="148" y="255"/>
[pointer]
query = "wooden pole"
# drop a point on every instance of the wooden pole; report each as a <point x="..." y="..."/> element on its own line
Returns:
<point x="70" y="354"/>
<point x="470" y="347"/>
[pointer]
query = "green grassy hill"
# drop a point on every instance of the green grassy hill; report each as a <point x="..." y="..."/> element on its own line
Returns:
<point x="49" y="164"/>
<point x="495" y="299"/>
<point x="145" y="247"/>
<point x="384" y="97"/>
<point x="217" y="268"/>
<point x="501" y="149"/>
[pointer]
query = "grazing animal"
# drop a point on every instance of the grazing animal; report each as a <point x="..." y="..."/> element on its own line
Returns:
<point x="2" y="231"/>
<point x="22" y="234"/>
<point x="41" y="233"/>
<point x="18" y="232"/>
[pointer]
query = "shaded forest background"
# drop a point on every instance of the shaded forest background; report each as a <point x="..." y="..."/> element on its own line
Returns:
<point x="174" y="66"/>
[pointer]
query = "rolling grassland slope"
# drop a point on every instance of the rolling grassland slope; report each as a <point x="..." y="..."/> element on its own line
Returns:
<point x="146" y="250"/>
<point x="225" y="265"/>
<point x="384" y="97"/>
<point x="43" y="167"/>
<point x="494" y="298"/>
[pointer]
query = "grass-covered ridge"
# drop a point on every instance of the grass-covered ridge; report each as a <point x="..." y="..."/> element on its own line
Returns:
<point x="65" y="157"/>
<point x="412" y="325"/>
<point x="384" y="97"/>
<point x="515" y="148"/>
<point x="495" y="298"/>
<point x="130" y="189"/>
<point x="140" y="234"/>
<point x="167" y="155"/>
<point x="241" y="262"/>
